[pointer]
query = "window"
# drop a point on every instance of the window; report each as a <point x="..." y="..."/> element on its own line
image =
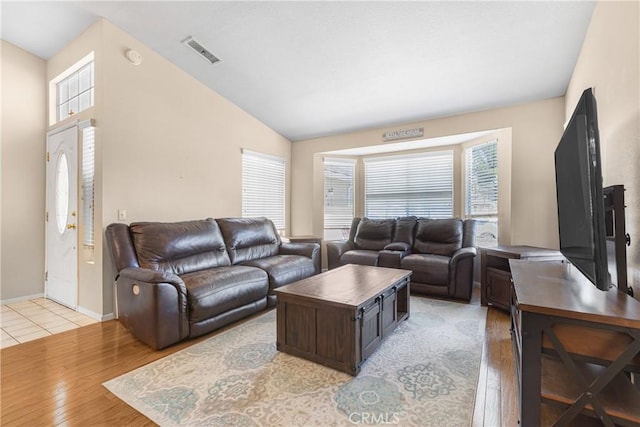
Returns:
<point x="62" y="192"/>
<point x="416" y="184"/>
<point x="263" y="186"/>
<point x="481" y="190"/>
<point x="73" y="90"/>
<point x="88" y="183"/>
<point x="338" y="197"/>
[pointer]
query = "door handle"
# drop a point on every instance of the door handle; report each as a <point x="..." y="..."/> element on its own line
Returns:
<point x="71" y="226"/>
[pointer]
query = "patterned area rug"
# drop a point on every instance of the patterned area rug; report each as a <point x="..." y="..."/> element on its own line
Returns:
<point x="424" y="374"/>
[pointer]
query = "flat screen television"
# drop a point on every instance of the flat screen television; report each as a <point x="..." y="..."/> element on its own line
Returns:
<point x="581" y="211"/>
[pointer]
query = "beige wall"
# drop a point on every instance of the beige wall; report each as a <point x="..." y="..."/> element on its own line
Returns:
<point x="167" y="147"/>
<point x="609" y="62"/>
<point x="23" y="127"/>
<point x="535" y="131"/>
<point x="171" y="146"/>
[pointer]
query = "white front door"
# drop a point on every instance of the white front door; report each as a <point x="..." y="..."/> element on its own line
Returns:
<point x="62" y="217"/>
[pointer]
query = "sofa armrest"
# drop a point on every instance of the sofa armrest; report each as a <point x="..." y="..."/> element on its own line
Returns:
<point x="153" y="306"/>
<point x="335" y="249"/>
<point x="461" y="273"/>
<point x="309" y="250"/>
<point x="391" y="259"/>
<point x="403" y="247"/>
<point x="153" y="276"/>
<point x="303" y="249"/>
<point x="461" y="254"/>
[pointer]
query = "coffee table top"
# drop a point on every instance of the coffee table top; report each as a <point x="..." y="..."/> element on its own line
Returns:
<point x="349" y="285"/>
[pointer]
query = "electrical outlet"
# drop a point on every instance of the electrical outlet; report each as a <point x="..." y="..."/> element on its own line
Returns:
<point x="122" y="214"/>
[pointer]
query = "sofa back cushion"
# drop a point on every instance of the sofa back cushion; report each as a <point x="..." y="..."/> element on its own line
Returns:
<point x="354" y="228"/>
<point x="179" y="247"/>
<point x="249" y="238"/>
<point x="438" y="236"/>
<point x="405" y="229"/>
<point x="374" y="234"/>
<point x="121" y="246"/>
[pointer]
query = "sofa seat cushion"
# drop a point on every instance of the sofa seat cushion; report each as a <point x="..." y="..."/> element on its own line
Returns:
<point x="427" y="268"/>
<point x="284" y="269"/>
<point x="215" y="291"/>
<point x="360" y="257"/>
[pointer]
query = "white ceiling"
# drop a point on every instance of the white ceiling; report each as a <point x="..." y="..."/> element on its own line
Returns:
<point x="316" y="68"/>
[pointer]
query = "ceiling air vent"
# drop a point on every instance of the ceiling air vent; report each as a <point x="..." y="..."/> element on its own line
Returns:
<point x="200" y="50"/>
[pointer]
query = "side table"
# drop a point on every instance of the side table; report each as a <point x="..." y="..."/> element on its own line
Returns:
<point x="495" y="273"/>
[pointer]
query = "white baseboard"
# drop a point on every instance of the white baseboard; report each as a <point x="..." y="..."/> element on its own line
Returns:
<point x="94" y="315"/>
<point x="20" y="299"/>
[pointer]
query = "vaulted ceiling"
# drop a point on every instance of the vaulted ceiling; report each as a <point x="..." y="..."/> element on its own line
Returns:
<point x="316" y="68"/>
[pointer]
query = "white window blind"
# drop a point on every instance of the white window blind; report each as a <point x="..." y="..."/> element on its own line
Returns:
<point x="338" y="193"/>
<point x="263" y="187"/>
<point x="417" y="184"/>
<point x="481" y="165"/>
<point x="481" y="191"/>
<point x="88" y="184"/>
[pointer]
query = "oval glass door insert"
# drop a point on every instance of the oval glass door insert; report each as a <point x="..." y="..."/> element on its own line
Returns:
<point x="62" y="192"/>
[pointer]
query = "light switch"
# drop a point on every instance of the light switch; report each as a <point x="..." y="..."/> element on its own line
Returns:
<point x="122" y="214"/>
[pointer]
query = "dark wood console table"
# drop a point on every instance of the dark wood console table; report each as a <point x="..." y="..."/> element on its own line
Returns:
<point x="495" y="274"/>
<point x="575" y="347"/>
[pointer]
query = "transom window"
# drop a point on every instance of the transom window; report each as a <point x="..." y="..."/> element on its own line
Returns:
<point x="415" y="184"/>
<point x="73" y="90"/>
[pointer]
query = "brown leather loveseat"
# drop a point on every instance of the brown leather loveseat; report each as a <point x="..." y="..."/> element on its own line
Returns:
<point x="184" y="279"/>
<point x="440" y="252"/>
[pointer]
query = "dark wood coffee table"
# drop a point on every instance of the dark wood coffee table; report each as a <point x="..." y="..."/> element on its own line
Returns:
<point x="339" y="318"/>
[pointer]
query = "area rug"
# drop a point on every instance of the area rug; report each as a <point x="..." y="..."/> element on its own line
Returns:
<point x="424" y="374"/>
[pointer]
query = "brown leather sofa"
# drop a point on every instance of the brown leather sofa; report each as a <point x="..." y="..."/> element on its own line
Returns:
<point x="184" y="279"/>
<point x="439" y="252"/>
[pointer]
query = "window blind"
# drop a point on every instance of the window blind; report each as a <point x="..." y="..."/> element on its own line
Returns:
<point x="416" y="184"/>
<point x="338" y="193"/>
<point x="263" y="187"/>
<point x="481" y="165"/>
<point x="88" y="184"/>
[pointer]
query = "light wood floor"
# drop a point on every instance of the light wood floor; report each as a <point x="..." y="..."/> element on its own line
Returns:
<point x="58" y="379"/>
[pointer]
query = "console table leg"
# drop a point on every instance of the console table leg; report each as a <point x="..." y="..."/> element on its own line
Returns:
<point x="531" y="368"/>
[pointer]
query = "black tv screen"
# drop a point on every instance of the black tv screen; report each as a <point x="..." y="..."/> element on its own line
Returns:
<point x="579" y="194"/>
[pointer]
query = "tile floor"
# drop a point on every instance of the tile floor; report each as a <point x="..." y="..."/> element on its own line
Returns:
<point x="29" y="320"/>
